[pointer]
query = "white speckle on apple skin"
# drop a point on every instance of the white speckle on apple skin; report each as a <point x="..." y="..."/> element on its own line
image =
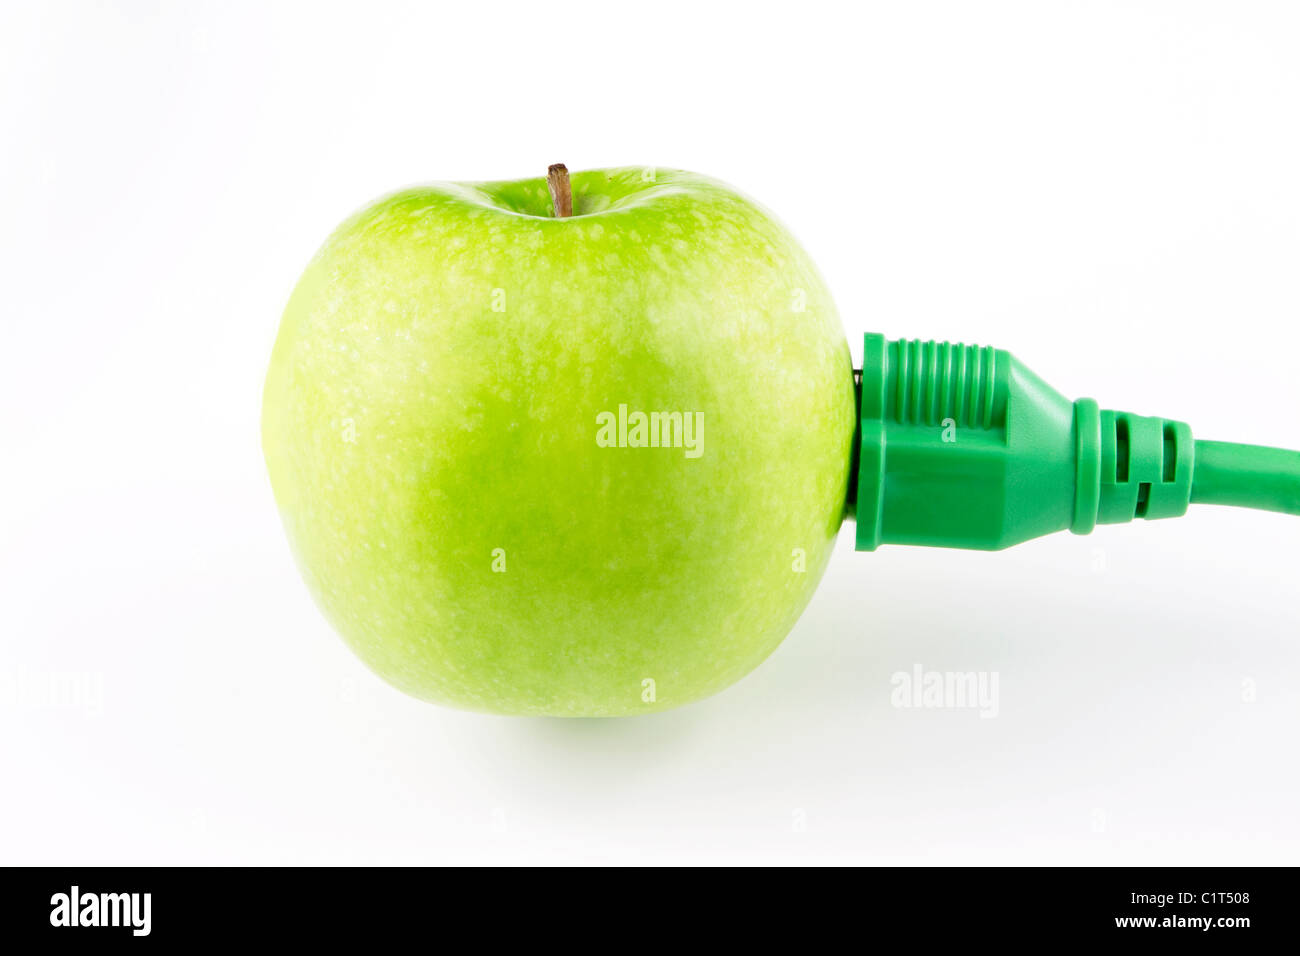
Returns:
<point x="475" y="429"/>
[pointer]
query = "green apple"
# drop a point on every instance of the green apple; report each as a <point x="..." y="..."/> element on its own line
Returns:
<point x="580" y="466"/>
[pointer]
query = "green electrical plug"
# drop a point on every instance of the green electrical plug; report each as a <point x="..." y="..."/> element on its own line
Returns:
<point x="961" y="446"/>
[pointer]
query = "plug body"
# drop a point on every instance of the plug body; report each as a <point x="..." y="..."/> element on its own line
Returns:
<point x="962" y="446"/>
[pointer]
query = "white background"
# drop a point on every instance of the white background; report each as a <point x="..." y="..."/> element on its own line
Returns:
<point x="1109" y="190"/>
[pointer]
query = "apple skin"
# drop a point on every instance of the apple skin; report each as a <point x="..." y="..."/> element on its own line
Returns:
<point x="430" y="421"/>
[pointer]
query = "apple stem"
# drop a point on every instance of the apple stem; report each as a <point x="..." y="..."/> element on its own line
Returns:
<point x="557" y="180"/>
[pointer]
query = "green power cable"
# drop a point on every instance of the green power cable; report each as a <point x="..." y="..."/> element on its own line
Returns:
<point x="962" y="446"/>
<point x="1248" y="476"/>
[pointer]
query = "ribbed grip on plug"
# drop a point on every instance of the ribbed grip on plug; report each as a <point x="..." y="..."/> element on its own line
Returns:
<point x="934" y="381"/>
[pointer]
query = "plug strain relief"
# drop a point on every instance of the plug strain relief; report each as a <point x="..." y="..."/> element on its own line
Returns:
<point x="1129" y="466"/>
